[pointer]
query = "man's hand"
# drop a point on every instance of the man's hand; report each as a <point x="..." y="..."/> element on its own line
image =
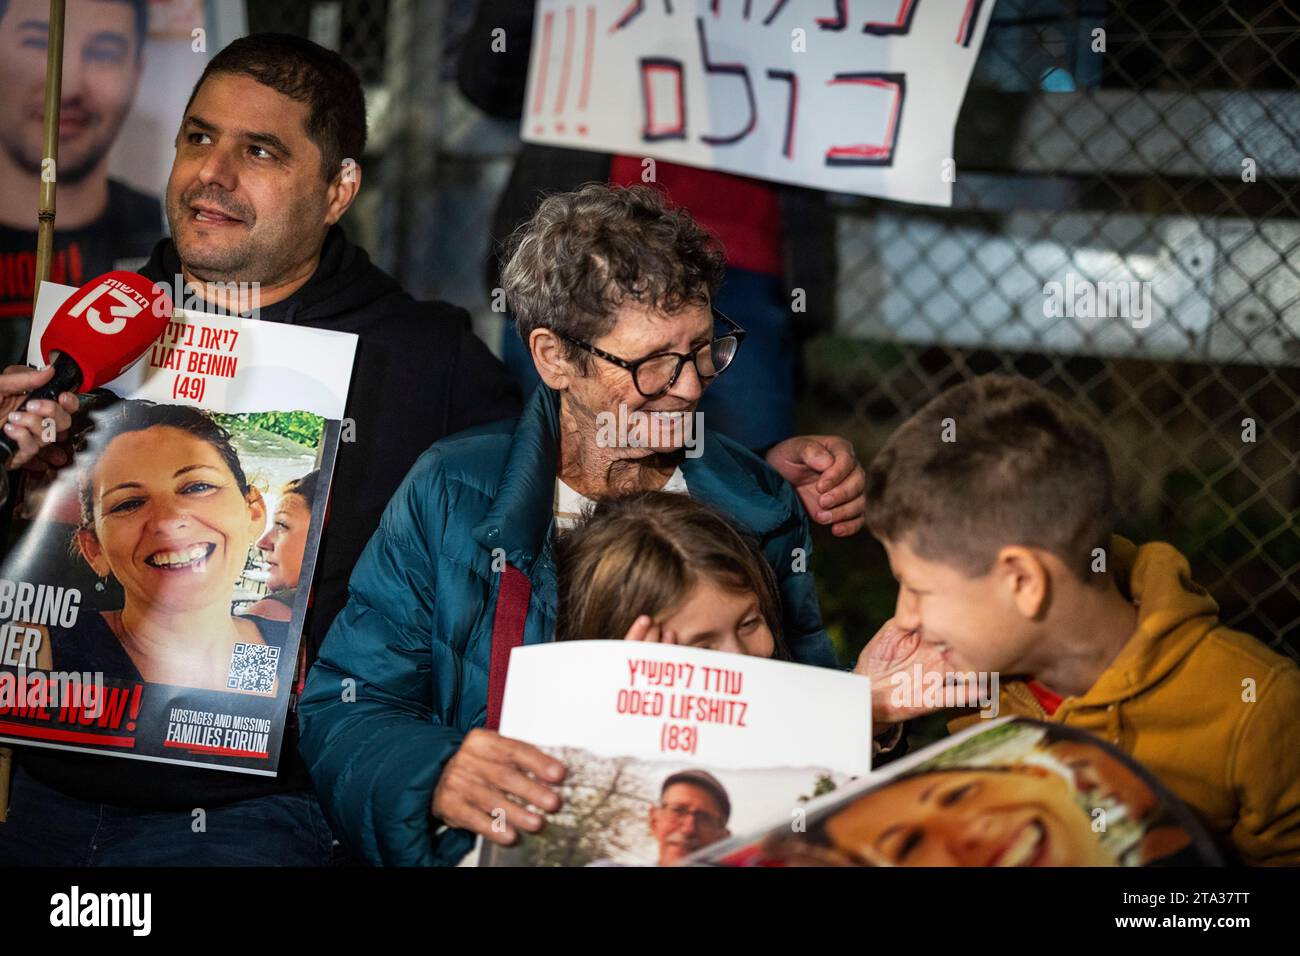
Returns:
<point x="37" y="426"/>
<point x="824" y="470"/>
<point x="891" y="653"/>
<point x="482" y="777"/>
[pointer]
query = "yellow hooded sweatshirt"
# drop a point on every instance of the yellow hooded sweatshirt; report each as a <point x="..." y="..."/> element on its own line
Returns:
<point x="1211" y="712"/>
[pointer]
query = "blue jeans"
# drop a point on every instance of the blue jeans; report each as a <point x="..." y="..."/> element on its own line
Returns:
<point x="753" y="400"/>
<point x="48" y="828"/>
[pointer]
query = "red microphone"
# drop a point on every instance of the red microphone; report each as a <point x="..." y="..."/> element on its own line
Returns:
<point x="97" y="334"/>
<point x="106" y="325"/>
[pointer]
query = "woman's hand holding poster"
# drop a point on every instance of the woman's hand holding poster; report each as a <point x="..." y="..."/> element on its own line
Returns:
<point x="153" y="591"/>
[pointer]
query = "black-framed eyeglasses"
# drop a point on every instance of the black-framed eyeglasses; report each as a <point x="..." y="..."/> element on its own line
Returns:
<point x="656" y="374"/>
<point x="704" y="820"/>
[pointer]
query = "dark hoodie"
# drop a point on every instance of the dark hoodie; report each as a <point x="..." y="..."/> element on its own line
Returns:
<point x="420" y="374"/>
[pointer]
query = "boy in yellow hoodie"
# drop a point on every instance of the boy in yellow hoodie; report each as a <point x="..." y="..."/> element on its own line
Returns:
<point x="995" y="503"/>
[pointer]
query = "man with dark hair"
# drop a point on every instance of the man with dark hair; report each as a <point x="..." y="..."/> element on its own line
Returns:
<point x="267" y="162"/>
<point x="102" y="224"/>
<point x="307" y="73"/>
<point x="995" y="503"/>
<point x="254" y="233"/>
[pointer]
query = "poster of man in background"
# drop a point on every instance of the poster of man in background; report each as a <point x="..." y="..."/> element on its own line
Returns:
<point x="103" y="223"/>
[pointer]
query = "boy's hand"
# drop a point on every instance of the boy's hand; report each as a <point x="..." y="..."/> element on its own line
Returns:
<point x="488" y="779"/>
<point x="890" y="659"/>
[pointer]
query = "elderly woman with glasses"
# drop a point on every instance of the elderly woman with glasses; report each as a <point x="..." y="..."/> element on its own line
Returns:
<point x="612" y="292"/>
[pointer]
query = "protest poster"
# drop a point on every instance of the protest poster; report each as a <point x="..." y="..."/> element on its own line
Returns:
<point x="1008" y="792"/>
<point x="153" y="592"/>
<point x="669" y="748"/>
<point x="856" y="97"/>
<point x="128" y="70"/>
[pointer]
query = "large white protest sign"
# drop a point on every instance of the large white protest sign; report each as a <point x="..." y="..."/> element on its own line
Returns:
<point x="858" y="97"/>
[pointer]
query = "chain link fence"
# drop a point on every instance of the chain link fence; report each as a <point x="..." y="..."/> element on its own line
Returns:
<point x="1141" y="158"/>
<point x="1148" y="146"/>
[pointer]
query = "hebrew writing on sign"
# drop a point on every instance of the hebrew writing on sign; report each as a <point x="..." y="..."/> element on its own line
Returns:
<point x="855" y="96"/>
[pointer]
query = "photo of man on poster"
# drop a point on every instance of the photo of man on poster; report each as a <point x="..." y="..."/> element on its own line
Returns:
<point x="102" y="221"/>
<point x="692" y="813"/>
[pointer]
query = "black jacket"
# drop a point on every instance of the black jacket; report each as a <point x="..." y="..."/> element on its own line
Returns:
<point x="420" y="374"/>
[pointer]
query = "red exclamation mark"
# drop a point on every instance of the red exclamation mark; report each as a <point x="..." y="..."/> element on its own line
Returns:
<point x="584" y="91"/>
<point x="135" y="707"/>
<point x="543" y="67"/>
<point x="566" y="67"/>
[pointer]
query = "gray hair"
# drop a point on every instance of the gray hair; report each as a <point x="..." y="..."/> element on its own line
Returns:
<point x="584" y="253"/>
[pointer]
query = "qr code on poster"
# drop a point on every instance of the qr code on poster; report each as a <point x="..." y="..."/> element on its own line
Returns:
<point x="252" y="667"/>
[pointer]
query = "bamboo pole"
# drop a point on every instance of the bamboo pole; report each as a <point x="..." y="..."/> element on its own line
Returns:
<point x="53" y="96"/>
<point x="44" y="238"/>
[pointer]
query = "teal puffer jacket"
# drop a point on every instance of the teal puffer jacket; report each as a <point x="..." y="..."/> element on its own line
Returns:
<point x="402" y="676"/>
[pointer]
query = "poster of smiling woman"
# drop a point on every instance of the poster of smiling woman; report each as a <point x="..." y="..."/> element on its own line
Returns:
<point x="153" y="591"/>
<point x="1010" y="792"/>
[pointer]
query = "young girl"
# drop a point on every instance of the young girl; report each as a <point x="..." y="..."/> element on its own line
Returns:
<point x="662" y="567"/>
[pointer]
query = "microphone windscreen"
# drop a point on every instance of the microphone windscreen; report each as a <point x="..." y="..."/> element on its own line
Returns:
<point x="107" y="324"/>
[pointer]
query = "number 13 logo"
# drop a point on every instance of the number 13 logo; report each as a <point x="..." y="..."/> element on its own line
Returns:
<point x="129" y="308"/>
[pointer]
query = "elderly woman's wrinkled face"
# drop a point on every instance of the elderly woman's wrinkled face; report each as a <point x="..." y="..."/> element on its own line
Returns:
<point x="607" y="395"/>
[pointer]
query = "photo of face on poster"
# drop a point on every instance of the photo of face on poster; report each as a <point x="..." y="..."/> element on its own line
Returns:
<point x="624" y="811"/>
<point x="115" y="144"/>
<point x="184" y="531"/>
<point x="1018" y="794"/>
<point x="168" y="566"/>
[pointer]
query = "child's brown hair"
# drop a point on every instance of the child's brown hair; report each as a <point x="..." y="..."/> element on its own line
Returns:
<point x="995" y="461"/>
<point x="643" y="554"/>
